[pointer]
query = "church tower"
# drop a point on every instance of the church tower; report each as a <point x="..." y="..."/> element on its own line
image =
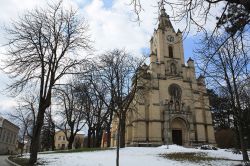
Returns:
<point x="171" y="106"/>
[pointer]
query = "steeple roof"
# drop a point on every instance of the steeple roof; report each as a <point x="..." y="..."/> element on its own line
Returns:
<point x="164" y="21"/>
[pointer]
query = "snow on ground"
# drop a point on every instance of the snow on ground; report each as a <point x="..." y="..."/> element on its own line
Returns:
<point x="137" y="156"/>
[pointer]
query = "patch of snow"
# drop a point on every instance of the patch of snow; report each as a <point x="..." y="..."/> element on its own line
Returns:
<point x="137" y="156"/>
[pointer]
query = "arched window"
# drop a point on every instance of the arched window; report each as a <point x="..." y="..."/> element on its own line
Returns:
<point x="170" y="52"/>
<point x="175" y="92"/>
<point x="173" y="69"/>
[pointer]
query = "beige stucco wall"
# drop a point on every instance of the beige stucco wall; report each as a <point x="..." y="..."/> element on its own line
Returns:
<point x="61" y="140"/>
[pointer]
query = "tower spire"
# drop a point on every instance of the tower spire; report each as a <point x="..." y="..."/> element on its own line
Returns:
<point x="161" y="4"/>
<point x="163" y="17"/>
<point x="162" y="8"/>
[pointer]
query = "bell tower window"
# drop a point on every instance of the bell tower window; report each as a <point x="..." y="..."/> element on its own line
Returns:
<point x="170" y="51"/>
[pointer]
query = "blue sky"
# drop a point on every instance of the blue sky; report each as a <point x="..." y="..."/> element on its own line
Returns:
<point x="108" y="3"/>
<point x="111" y="26"/>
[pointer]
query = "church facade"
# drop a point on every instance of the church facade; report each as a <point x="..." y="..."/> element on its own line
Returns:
<point x="171" y="104"/>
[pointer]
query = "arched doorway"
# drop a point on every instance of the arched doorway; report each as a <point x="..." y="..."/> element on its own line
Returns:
<point x="179" y="131"/>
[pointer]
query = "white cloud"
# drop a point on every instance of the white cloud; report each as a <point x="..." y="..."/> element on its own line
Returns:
<point x="12" y="8"/>
<point x="109" y="27"/>
<point x="7" y="105"/>
<point x="113" y="28"/>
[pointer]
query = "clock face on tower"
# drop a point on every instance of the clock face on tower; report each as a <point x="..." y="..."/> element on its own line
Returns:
<point x="170" y="38"/>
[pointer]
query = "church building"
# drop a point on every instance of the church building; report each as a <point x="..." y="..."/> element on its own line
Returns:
<point x="171" y="104"/>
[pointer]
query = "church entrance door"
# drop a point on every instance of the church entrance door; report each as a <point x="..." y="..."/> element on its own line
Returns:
<point x="177" y="137"/>
<point x="179" y="131"/>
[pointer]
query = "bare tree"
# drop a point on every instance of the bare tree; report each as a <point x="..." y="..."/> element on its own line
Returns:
<point x="25" y="116"/>
<point x="245" y="99"/>
<point x="48" y="131"/>
<point x="234" y="14"/>
<point x="78" y="142"/>
<point x="90" y="90"/>
<point x="100" y="115"/>
<point x="231" y="16"/>
<point x="117" y="72"/>
<point x="229" y="70"/>
<point x="44" y="45"/>
<point x="100" y="105"/>
<point x="220" y="109"/>
<point x="71" y="112"/>
<point x="85" y="92"/>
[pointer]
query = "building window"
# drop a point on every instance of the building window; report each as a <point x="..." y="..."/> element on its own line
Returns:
<point x="64" y="138"/>
<point x="59" y="138"/>
<point x="170" y="52"/>
<point x="175" y="97"/>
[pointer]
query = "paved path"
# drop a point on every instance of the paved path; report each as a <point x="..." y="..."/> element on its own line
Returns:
<point x="3" y="161"/>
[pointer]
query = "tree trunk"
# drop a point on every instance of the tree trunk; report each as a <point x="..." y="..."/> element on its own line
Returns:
<point x="98" y="137"/>
<point x="94" y="138"/>
<point x="242" y="143"/>
<point x="89" y="138"/>
<point x="35" y="140"/>
<point x="108" y="137"/>
<point x="52" y="135"/>
<point x="122" y="130"/>
<point x="71" y="140"/>
<point x="108" y="129"/>
<point x="53" y="141"/>
<point x="236" y="130"/>
<point x="22" y="150"/>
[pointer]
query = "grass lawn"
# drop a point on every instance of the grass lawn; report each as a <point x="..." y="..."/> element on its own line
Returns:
<point x="20" y="161"/>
